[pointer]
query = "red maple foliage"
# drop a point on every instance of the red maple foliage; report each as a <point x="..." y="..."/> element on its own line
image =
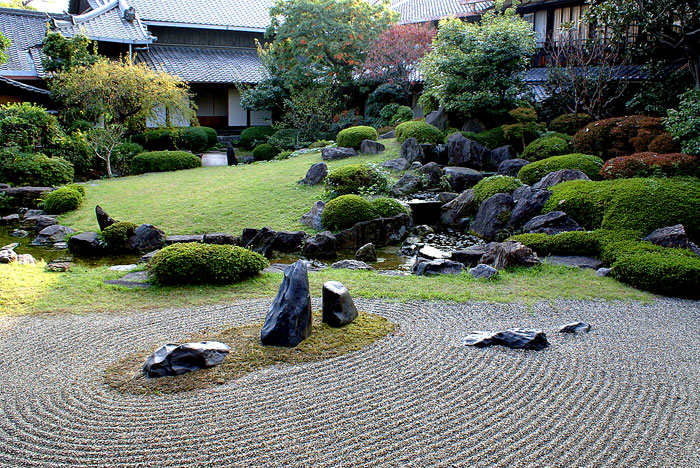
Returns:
<point x="397" y="51"/>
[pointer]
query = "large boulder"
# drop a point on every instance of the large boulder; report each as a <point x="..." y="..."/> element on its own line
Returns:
<point x="387" y="135"/>
<point x="398" y="164"/>
<point x="316" y="174"/>
<point x="219" y="238"/>
<point x="313" y="217"/>
<point x="289" y="319"/>
<point x="511" y="167"/>
<point x="103" y="219"/>
<point x="331" y="153"/>
<point x="441" y="266"/>
<point x="516" y="338"/>
<point x="471" y="256"/>
<point x="557" y="177"/>
<point x="323" y="245"/>
<point x="432" y="173"/>
<point x="247" y="235"/>
<point x="528" y="203"/>
<point x="437" y="118"/>
<point x="53" y="234"/>
<point x="231" y="155"/>
<point x="351" y="265"/>
<point x="411" y="151"/>
<point x="407" y="184"/>
<point x="177" y="359"/>
<point x="371" y="147"/>
<point x="380" y="232"/>
<point x="263" y="242"/>
<point x="454" y="213"/>
<point x="482" y="271"/>
<point x="493" y="217"/>
<point x="289" y="241"/>
<point x="9" y="219"/>
<point x="86" y="244"/>
<point x="554" y="222"/>
<point x="462" y="178"/>
<point x="501" y="154"/>
<point x="43" y="222"/>
<point x="510" y="254"/>
<point x="672" y="236"/>
<point x="338" y="307"/>
<point x="366" y="253"/>
<point x="462" y="151"/>
<point x="146" y="237"/>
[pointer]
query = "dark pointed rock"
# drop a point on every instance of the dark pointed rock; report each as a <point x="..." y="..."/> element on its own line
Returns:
<point x="464" y="152"/>
<point x="456" y="211"/>
<point x="323" y="245"/>
<point x="493" y="218"/>
<point x="511" y="167"/>
<point x="146" y="237"/>
<point x="528" y="203"/>
<point x="103" y="219"/>
<point x="86" y="244"/>
<point x="231" y="155"/>
<point x="263" y="242"/>
<point x="437" y="118"/>
<point x="313" y="217"/>
<point x="554" y="222"/>
<point x="411" y="151"/>
<point x="177" y="359"/>
<point x="371" y="147"/>
<point x="338" y="307"/>
<point x="462" y="178"/>
<point x="482" y="271"/>
<point x="575" y="328"/>
<point x="557" y="177"/>
<point x="510" y="254"/>
<point x="289" y="241"/>
<point x="516" y="338"/>
<point x="398" y="164"/>
<point x="316" y="174"/>
<point x="424" y="267"/>
<point x="366" y="253"/>
<point x="407" y="184"/>
<point x="331" y="153"/>
<point x="674" y="237"/>
<point x="289" y="319"/>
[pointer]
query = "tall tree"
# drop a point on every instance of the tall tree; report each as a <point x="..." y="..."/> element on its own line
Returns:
<point x="61" y="53"/>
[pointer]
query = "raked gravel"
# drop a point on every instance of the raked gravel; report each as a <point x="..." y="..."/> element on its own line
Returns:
<point x="624" y="395"/>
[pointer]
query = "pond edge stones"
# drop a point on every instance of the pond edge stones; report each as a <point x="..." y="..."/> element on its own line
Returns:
<point x="288" y="322"/>
<point x="338" y="306"/>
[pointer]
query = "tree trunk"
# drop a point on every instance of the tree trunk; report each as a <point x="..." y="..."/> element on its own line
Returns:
<point x="108" y="159"/>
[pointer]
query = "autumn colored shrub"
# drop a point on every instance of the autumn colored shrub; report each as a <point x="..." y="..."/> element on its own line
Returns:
<point x="651" y="164"/>
<point x="620" y="136"/>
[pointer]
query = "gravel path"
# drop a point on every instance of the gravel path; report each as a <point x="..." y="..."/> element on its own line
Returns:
<point x="625" y="395"/>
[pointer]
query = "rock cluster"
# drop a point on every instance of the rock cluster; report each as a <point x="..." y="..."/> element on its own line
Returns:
<point x="177" y="359"/>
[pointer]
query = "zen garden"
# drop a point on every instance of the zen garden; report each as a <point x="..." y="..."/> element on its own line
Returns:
<point x="350" y="233"/>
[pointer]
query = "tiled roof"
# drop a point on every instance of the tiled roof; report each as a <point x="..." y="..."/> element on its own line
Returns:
<point x="25" y="87"/>
<point x="205" y="65"/>
<point x="419" y="11"/>
<point x="26" y="29"/>
<point x="223" y="14"/>
<point x="107" y="23"/>
<point x="627" y="72"/>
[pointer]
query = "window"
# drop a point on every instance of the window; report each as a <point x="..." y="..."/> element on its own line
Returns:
<point x="570" y="23"/>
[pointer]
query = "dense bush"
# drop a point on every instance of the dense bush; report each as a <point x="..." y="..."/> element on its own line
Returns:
<point x="384" y="207"/>
<point x="421" y="131"/>
<point x="491" y="139"/>
<point x="75" y="149"/>
<point x="402" y="114"/>
<point x="650" y="165"/>
<point x="156" y="139"/>
<point x="355" y="179"/>
<point x="117" y="234"/>
<point x="27" y="127"/>
<point x="265" y="152"/>
<point x="212" y="136"/>
<point x="345" y="211"/>
<point x="193" y="139"/>
<point x="619" y="136"/>
<point x="490" y="186"/>
<point x="354" y="136"/>
<point x="163" y="161"/>
<point x="34" y="169"/>
<point x="684" y="123"/>
<point x="193" y="263"/>
<point x="570" y="123"/>
<point x="590" y="243"/>
<point x="589" y="165"/>
<point x="290" y="139"/>
<point x="638" y="204"/>
<point x="254" y="136"/>
<point x="122" y="156"/>
<point x="61" y="200"/>
<point x="520" y="135"/>
<point x="545" y="147"/>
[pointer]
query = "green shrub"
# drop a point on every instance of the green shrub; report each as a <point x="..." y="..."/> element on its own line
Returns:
<point x="193" y="139"/>
<point x="354" y="136"/>
<point x="384" y="207"/>
<point x="117" y="234"/>
<point x="265" y="152"/>
<point x="319" y="144"/>
<point x="636" y="204"/>
<point x="589" y="165"/>
<point x="254" y="136"/>
<point x="193" y="263"/>
<point x="61" y="200"/>
<point x="650" y="165"/>
<point x="545" y="147"/>
<point x="163" y="161"/>
<point x="79" y="124"/>
<point x="684" y="123"/>
<point x="522" y="134"/>
<point x="156" y="139"/>
<point x="490" y="186"/>
<point x="75" y="149"/>
<point x="618" y="136"/>
<point x="122" y="156"/>
<point x="402" y="114"/>
<point x="79" y="187"/>
<point x="345" y="211"/>
<point x="591" y="243"/>
<point x="355" y="179"/>
<point x="27" y="127"/>
<point x="570" y="123"/>
<point x="421" y="131"/>
<point x="290" y="139"/>
<point x="523" y="114"/>
<point x="34" y="169"/>
<point x="386" y="114"/>
<point x="212" y="136"/>
<point x="494" y="138"/>
<point x="673" y="272"/>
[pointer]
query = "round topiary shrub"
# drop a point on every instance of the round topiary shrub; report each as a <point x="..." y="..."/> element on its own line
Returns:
<point x="421" y="131"/>
<point x="570" y="123"/>
<point x="490" y="186"/>
<point x="254" y="136"/>
<point x="384" y="207"/>
<point x="589" y="165"/>
<point x="157" y="139"/>
<point x="163" y="161"/>
<point x="356" y="178"/>
<point x="117" y="234"/>
<point x="346" y="211"/>
<point x="544" y="148"/>
<point x="619" y="136"/>
<point x="265" y="152"/>
<point x="193" y="139"/>
<point x="402" y="114"/>
<point x="651" y="164"/>
<point x="61" y="200"/>
<point x="34" y="169"/>
<point x="194" y="263"/>
<point x="354" y="136"/>
<point x="212" y="136"/>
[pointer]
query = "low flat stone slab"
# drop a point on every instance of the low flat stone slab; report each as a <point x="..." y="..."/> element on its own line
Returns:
<point x="135" y="280"/>
<point x="181" y="239"/>
<point x="574" y="261"/>
<point x="124" y="268"/>
<point x="516" y="338"/>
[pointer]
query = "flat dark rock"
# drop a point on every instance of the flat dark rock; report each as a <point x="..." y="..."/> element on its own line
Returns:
<point x="575" y="328"/>
<point x="574" y="261"/>
<point x="516" y="338"/>
<point x="177" y="359"/>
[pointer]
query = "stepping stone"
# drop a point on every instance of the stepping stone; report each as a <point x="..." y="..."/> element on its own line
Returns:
<point x="574" y="261"/>
<point x="134" y="280"/>
<point x="124" y="268"/>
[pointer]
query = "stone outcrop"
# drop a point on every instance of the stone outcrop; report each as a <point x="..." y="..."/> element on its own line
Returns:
<point x="528" y="203"/>
<point x="338" y="307"/>
<point x="482" y="271"/>
<point x="510" y="254"/>
<point x="454" y="212"/>
<point x="86" y="244"/>
<point x="411" y="151"/>
<point x="371" y="147"/>
<point x="366" y="253"/>
<point x="53" y="234"/>
<point x="407" y="184"/>
<point x="554" y="222"/>
<point x="442" y="266"/>
<point x="177" y="359"/>
<point x="323" y="245"/>
<point x="674" y="237"/>
<point x="146" y="237"/>
<point x="331" y="153"/>
<point x="313" y="217"/>
<point x="557" y="177"/>
<point x="398" y="164"/>
<point x="316" y="174"/>
<point x="493" y="217"/>
<point x="380" y="232"/>
<point x="464" y="152"/>
<point x="511" y="167"/>
<point x="516" y="338"/>
<point x="462" y="178"/>
<point x="103" y="219"/>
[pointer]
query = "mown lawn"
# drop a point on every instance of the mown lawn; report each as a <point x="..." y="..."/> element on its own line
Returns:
<point x="212" y="199"/>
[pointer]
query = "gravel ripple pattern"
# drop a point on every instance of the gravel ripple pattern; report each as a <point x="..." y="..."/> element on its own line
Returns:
<point x="624" y="395"/>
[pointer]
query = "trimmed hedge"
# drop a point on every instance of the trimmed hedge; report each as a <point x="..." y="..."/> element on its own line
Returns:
<point x="62" y="200"/>
<point x="491" y="139"/>
<point x="164" y="161"/>
<point x="590" y="243"/>
<point x="195" y="263"/>
<point x="116" y="234"/>
<point x="212" y="136"/>
<point x="254" y="136"/>
<point x="384" y="207"/>
<point x="193" y="139"/>
<point x="355" y="178"/>
<point x="156" y="139"/>
<point x="638" y="204"/>
<point x="265" y="152"/>
<point x="421" y="131"/>
<point x="345" y="211"/>
<point x="490" y="186"/>
<point x="34" y="169"/>
<point x="545" y="147"/>
<point x="570" y="123"/>
<point x="589" y="165"/>
<point x="354" y="136"/>
<point x="651" y="164"/>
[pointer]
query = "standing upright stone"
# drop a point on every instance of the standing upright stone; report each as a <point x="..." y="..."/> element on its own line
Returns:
<point x="231" y="155"/>
<point x="288" y="321"/>
<point x="103" y="219"/>
<point x="338" y="307"/>
<point x="411" y="151"/>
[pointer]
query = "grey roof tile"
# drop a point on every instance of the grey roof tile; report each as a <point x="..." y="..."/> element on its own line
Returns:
<point x="23" y="86"/>
<point x="418" y="11"/>
<point x="205" y="64"/>
<point x="25" y="29"/>
<point x="227" y="14"/>
<point x="106" y="23"/>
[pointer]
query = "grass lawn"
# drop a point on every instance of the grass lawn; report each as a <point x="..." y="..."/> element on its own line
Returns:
<point x="213" y="199"/>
